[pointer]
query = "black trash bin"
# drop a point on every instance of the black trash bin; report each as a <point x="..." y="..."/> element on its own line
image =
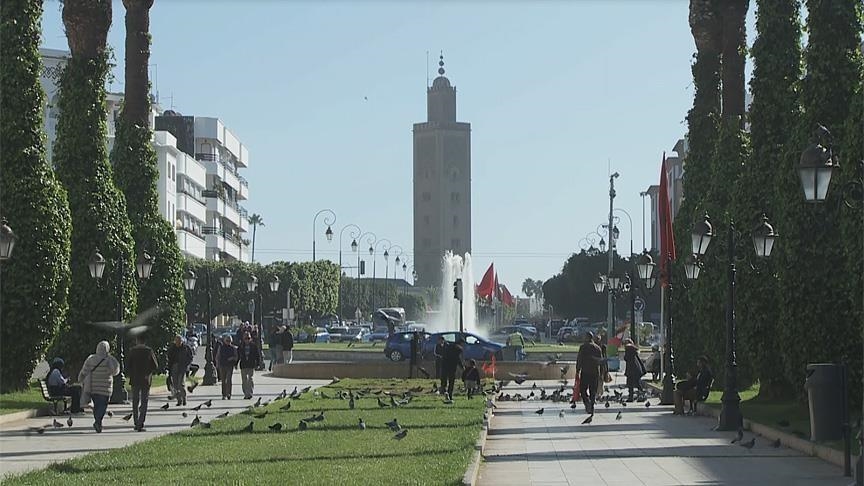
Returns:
<point x="824" y="385"/>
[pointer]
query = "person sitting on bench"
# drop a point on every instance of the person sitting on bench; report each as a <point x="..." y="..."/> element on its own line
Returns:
<point x="58" y="385"/>
<point x="695" y="388"/>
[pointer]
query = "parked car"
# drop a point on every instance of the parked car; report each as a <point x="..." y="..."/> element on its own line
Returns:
<point x="398" y="346"/>
<point x="379" y="334"/>
<point x="319" y="335"/>
<point x="339" y="334"/>
<point x="527" y="332"/>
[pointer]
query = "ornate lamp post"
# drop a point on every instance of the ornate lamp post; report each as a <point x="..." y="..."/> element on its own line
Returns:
<point x="143" y="268"/>
<point x="763" y="242"/>
<point x="7" y="240"/>
<point x="354" y="234"/>
<point x="329" y="219"/>
<point x="372" y="251"/>
<point x="189" y="282"/>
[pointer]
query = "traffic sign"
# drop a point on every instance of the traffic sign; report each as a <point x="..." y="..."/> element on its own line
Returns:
<point x="639" y="304"/>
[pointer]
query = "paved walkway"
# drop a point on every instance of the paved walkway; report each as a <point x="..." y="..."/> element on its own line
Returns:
<point x="646" y="447"/>
<point x="22" y="450"/>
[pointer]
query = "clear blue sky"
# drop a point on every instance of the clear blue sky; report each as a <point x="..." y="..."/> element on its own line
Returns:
<point x="553" y="90"/>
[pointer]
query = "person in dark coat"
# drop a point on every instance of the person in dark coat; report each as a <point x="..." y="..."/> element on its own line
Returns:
<point x="226" y="360"/>
<point x="140" y="365"/>
<point x="250" y="359"/>
<point x="696" y="388"/>
<point x="179" y="359"/>
<point x="439" y="357"/>
<point x="59" y="385"/>
<point x="471" y="377"/>
<point x="449" y="364"/>
<point x="287" y="345"/>
<point x="635" y="368"/>
<point x="588" y="366"/>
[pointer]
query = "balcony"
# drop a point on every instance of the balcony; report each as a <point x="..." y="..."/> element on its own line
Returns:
<point x="221" y="168"/>
<point x="191" y="204"/>
<point x="243" y="193"/>
<point x="223" y="241"/>
<point x="191" y="243"/>
<point x="224" y="209"/>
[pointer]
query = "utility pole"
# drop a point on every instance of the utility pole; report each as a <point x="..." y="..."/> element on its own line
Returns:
<point x="610" y="309"/>
<point x="457" y="294"/>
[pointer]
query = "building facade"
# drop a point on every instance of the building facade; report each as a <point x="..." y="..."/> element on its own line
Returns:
<point x="200" y="188"/>
<point x="675" y="179"/>
<point x="442" y="182"/>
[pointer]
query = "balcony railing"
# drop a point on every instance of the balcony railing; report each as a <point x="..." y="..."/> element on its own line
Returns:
<point x="212" y="230"/>
<point x="207" y="157"/>
<point x="243" y="181"/>
<point x="198" y="197"/>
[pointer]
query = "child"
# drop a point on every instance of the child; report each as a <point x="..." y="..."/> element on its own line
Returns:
<point x="471" y="377"/>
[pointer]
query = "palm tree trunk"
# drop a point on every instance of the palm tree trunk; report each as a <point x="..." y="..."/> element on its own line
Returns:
<point x="136" y="102"/>
<point x="87" y="23"/>
<point x="254" y="230"/>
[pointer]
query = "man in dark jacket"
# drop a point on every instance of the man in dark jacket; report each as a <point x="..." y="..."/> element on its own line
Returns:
<point x="439" y="357"/>
<point x="140" y="365"/>
<point x="179" y="359"/>
<point x="451" y="361"/>
<point x="588" y="363"/>
<point x="250" y="358"/>
<point x="288" y="345"/>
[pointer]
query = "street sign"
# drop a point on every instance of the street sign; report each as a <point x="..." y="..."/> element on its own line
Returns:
<point x="639" y="304"/>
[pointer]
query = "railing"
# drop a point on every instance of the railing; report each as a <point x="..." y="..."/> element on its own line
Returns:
<point x="212" y="230"/>
<point x="194" y="231"/>
<point x="207" y="157"/>
<point x="243" y="181"/>
<point x="197" y="197"/>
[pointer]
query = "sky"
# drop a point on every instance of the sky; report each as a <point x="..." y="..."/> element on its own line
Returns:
<point x="559" y="94"/>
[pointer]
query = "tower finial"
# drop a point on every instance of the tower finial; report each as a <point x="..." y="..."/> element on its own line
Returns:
<point x="441" y="64"/>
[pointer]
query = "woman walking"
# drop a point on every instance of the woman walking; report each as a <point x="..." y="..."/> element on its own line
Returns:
<point x="226" y="359"/>
<point x="635" y="368"/>
<point x="97" y="377"/>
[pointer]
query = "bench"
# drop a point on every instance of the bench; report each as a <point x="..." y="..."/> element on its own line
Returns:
<point x="694" y="403"/>
<point x="54" y="399"/>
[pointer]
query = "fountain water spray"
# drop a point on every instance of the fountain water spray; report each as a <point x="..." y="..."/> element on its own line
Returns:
<point x="453" y="267"/>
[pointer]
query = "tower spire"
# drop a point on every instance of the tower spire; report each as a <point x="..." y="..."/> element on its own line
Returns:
<point x="441" y="64"/>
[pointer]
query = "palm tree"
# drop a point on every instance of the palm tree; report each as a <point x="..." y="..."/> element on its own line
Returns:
<point x="528" y="287"/>
<point x="255" y="220"/>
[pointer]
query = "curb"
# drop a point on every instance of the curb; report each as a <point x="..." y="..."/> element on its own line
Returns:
<point x="473" y="472"/>
<point x="23" y="415"/>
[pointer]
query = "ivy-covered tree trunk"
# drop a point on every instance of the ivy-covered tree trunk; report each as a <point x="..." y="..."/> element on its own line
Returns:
<point x="733" y="13"/>
<point x="692" y="336"/>
<point x="35" y="281"/>
<point x="136" y="173"/>
<point x="822" y="241"/>
<point x="773" y="118"/>
<point x="97" y="208"/>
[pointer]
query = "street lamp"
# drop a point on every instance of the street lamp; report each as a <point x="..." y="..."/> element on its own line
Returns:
<point x="354" y="234"/>
<point x="692" y="267"/>
<point x="372" y="251"/>
<point x="763" y="240"/>
<point x="329" y="219"/>
<point x="398" y="251"/>
<point x="599" y="284"/>
<point x="7" y="240"/>
<point x="189" y="281"/>
<point x="143" y="266"/>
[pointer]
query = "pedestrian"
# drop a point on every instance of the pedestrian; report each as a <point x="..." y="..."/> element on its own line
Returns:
<point x="226" y="360"/>
<point x="588" y="363"/>
<point x="695" y="389"/>
<point x="58" y="385"/>
<point x="471" y="377"/>
<point x="140" y="366"/>
<point x="634" y="368"/>
<point x="451" y="361"/>
<point x="600" y="340"/>
<point x="249" y="359"/>
<point x="516" y="340"/>
<point x="439" y="357"/>
<point x="258" y="338"/>
<point x="179" y="359"/>
<point x="217" y="343"/>
<point x="274" y="339"/>
<point x="287" y="345"/>
<point x="96" y="377"/>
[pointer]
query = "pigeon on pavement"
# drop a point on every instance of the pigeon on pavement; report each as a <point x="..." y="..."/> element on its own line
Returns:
<point x="749" y="444"/>
<point x="184" y="414"/>
<point x="208" y="403"/>
<point x="110" y="413"/>
<point x="607" y="405"/>
<point x="618" y="417"/>
<point x="198" y="407"/>
<point x="561" y="413"/>
<point x="647" y="404"/>
<point x="69" y="421"/>
<point x="195" y="421"/>
<point x="125" y="417"/>
<point x="588" y="420"/>
<point x="222" y="415"/>
<point x="165" y="407"/>
<point x="57" y="425"/>
<point x="539" y="412"/>
<point x="739" y="436"/>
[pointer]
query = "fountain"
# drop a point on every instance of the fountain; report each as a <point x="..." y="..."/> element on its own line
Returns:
<point x="453" y="267"/>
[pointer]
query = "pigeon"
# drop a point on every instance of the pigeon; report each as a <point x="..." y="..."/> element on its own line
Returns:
<point x="110" y="413"/>
<point x="69" y="421"/>
<point x="335" y="380"/>
<point x="306" y="390"/>
<point x="257" y="403"/>
<point x="361" y="424"/>
<point x="222" y="415"/>
<point x="191" y="388"/>
<point x="561" y="413"/>
<point x="294" y="392"/>
<point x="573" y="405"/>
<point x="302" y="425"/>
<point x="260" y="415"/>
<point x="618" y="417"/>
<point x="607" y="405"/>
<point x="275" y="427"/>
<point x="125" y="417"/>
<point x="647" y="404"/>
<point x="588" y="420"/>
<point x="738" y="437"/>
<point x="165" y="407"/>
<point x="249" y="427"/>
<point x="749" y="444"/>
<point x="184" y="414"/>
<point x="287" y="406"/>
<point x="401" y="435"/>
<point x="57" y="425"/>
<point x="351" y="403"/>
<point x="624" y="404"/>
<point x="283" y="394"/>
<point x="198" y="407"/>
<point x="382" y="404"/>
<point x="38" y="430"/>
<point x="490" y="404"/>
<point x="519" y="380"/>
<point x="195" y="421"/>
<point x="776" y="443"/>
<point x="208" y="403"/>
<point x="539" y="412"/>
<point x="564" y="370"/>
<point x="394" y="425"/>
<point x="534" y="386"/>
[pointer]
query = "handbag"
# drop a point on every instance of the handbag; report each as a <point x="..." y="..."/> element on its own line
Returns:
<point x="577" y="393"/>
<point x="86" y="384"/>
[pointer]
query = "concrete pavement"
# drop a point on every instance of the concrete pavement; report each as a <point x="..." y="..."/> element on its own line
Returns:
<point x="646" y="447"/>
<point x="22" y="450"/>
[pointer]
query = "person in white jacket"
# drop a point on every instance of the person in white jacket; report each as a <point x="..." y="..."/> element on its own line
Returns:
<point x="99" y="370"/>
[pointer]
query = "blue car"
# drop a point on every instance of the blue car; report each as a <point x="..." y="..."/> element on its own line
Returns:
<point x="398" y="345"/>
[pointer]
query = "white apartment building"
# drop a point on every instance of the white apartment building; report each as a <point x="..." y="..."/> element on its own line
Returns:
<point x="200" y="187"/>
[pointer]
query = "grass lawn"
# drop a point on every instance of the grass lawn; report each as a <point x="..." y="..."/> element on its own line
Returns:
<point x="23" y="400"/>
<point x="437" y="449"/>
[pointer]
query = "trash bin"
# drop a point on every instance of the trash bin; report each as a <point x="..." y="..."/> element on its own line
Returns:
<point x="824" y="385"/>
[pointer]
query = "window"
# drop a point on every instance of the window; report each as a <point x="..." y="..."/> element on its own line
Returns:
<point x="427" y="196"/>
<point x="173" y="172"/>
<point x="426" y="220"/>
<point x="455" y="221"/>
<point x="455" y="197"/>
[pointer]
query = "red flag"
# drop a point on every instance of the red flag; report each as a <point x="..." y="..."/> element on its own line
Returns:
<point x="497" y="289"/>
<point x="667" y="238"/>
<point x="506" y="296"/>
<point x="485" y="288"/>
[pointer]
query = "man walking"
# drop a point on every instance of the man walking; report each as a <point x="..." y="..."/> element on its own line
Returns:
<point x="516" y="340"/>
<point x="140" y="365"/>
<point x="250" y="359"/>
<point x="439" y="357"/>
<point x="179" y="359"/>
<point x="274" y="339"/>
<point x="287" y="345"/>
<point x="588" y="368"/>
<point x="452" y="360"/>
